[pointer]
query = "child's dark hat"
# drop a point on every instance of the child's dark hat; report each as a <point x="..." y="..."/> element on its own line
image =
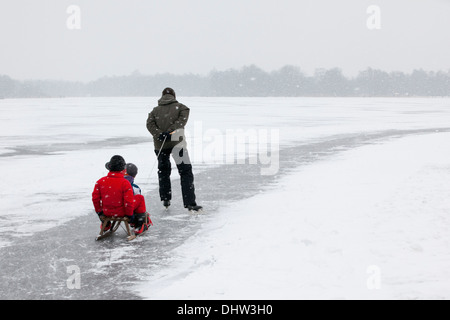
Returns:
<point x="117" y="163"/>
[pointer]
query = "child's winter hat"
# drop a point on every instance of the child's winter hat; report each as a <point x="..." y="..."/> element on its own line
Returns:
<point x="117" y="163"/>
<point x="132" y="170"/>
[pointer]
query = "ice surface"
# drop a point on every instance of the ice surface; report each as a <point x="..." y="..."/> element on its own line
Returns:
<point x="53" y="150"/>
<point x="321" y="231"/>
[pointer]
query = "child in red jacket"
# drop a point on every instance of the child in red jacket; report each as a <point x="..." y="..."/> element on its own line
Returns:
<point x="113" y="195"/>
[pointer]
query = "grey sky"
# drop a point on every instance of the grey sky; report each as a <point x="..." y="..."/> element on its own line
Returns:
<point x="182" y="36"/>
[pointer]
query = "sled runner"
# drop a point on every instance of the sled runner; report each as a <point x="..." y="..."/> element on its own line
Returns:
<point x="115" y="223"/>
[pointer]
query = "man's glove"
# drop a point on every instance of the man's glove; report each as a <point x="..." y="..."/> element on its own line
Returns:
<point x="163" y="136"/>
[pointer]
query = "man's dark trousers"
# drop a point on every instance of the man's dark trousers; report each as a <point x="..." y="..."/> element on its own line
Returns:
<point x="186" y="176"/>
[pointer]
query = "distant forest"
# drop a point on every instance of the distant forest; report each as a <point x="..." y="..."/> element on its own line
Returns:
<point x="249" y="81"/>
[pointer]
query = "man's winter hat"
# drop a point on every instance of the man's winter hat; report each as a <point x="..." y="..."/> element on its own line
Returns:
<point x="132" y="170"/>
<point x="169" y="91"/>
<point x="117" y="163"/>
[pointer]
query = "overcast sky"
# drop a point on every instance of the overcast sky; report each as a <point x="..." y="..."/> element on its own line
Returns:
<point x="197" y="36"/>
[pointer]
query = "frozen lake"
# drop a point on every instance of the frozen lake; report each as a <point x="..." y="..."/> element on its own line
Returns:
<point x="54" y="150"/>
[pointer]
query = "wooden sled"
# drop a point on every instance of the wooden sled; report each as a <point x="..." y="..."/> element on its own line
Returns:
<point x="115" y="223"/>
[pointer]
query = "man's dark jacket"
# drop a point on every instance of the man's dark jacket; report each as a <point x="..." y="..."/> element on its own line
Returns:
<point x="168" y="116"/>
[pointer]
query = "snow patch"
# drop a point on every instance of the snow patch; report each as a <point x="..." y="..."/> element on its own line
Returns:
<point x="324" y="230"/>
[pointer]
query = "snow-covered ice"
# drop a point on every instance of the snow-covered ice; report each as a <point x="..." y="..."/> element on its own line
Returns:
<point x="328" y="231"/>
<point x="364" y="217"/>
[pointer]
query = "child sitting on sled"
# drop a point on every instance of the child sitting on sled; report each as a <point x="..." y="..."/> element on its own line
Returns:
<point x="139" y="220"/>
<point x="113" y="196"/>
<point x="130" y="174"/>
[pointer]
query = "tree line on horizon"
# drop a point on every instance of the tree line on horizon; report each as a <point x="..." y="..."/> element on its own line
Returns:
<point x="249" y="81"/>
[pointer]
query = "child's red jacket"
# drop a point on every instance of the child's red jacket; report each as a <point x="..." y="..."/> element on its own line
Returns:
<point x="113" y="195"/>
